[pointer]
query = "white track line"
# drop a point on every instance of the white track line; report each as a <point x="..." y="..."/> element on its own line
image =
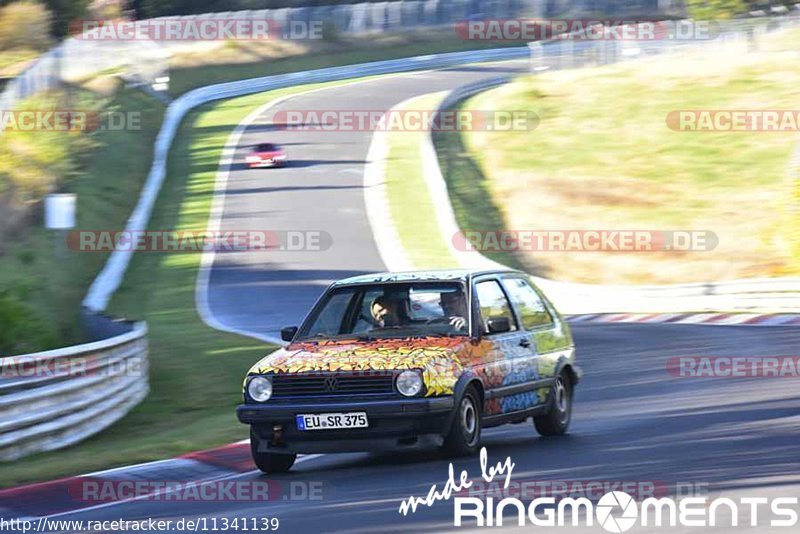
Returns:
<point x="376" y="199"/>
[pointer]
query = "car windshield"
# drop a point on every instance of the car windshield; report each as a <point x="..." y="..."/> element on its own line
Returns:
<point x="266" y="147"/>
<point x="390" y="311"/>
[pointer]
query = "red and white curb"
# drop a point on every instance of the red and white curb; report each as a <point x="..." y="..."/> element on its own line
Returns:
<point x="67" y="495"/>
<point x="705" y="318"/>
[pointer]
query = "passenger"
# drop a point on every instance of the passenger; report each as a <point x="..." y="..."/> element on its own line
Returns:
<point x="454" y="307"/>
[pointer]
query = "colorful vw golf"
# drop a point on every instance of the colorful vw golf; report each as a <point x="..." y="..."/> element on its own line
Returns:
<point x="398" y="360"/>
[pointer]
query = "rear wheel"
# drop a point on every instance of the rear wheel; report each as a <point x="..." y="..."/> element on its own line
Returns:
<point x="270" y="462"/>
<point x="556" y="421"/>
<point x="465" y="434"/>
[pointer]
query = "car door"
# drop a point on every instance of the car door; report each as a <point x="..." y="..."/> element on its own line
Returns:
<point x="549" y="342"/>
<point x="505" y="382"/>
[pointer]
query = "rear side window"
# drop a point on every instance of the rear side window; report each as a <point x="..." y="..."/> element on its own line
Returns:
<point x="493" y="303"/>
<point x="531" y="309"/>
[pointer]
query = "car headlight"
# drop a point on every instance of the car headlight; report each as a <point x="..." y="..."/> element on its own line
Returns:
<point x="409" y="383"/>
<point x="260" y="388"/>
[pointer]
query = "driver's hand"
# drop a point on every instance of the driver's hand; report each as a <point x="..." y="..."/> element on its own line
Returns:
<point x="458" y="322"/>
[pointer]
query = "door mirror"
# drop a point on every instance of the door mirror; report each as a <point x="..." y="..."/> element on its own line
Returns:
<point x="288" y="333"/>
<point x="498" y="324"/>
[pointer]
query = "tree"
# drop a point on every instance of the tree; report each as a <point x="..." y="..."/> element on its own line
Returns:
<point x="66" y="12"/>
<point x="63" y="13"/>
<point x="25" y="25"/>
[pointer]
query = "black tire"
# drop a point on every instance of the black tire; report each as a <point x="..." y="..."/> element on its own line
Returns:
<point x="465" y="433"/>
<point x="556" y="421"/>
<point x="270" y="462"/>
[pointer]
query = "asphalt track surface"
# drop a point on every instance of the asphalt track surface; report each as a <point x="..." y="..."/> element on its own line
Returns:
<point x="633" y="420"/>
<point x="321" y="190"/>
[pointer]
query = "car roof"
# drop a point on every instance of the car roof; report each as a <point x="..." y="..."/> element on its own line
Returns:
<point x="437" y="275"/>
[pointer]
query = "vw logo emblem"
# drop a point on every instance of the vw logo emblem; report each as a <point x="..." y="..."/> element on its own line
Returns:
<point x="331" y="383"/>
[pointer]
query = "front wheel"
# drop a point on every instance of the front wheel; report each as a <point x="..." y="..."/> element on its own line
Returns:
<point x="270" y="462"/>
<point x="465" y="434"/>
<point x="556" y="421"/>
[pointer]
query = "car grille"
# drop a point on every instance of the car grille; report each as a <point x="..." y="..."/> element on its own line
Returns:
<point x="310" y="384"/>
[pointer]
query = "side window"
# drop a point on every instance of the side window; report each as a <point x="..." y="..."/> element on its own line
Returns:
<point x="531" y="309"/>
<point x="493" y="303"/>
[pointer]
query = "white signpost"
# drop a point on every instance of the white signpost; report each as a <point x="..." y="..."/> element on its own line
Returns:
<point x="59" y="215"/>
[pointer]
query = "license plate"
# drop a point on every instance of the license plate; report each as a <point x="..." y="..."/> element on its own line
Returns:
<point x="332" y="421"/>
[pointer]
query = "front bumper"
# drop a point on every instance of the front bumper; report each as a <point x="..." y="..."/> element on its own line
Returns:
<point x="266" y="163"/>
<point x="392" y="423"/>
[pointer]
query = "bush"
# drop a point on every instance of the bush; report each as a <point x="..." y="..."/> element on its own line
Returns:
<point x="32" y="164"/>
<point x="25" y="25"/>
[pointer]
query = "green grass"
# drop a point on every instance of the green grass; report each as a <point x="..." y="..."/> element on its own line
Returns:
<point x="412" y="208"/>
<point x="603" y="157"/>
<point x="196" y="372"/>
<point x="106" y="170"/>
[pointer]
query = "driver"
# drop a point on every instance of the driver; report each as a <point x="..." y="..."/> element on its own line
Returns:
<point x="381" y="313"/>
<point x="454" y="308"/>
<point x="384" y="312"/>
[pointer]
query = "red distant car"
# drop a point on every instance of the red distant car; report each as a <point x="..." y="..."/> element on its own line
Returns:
<point x="266" y="155"/>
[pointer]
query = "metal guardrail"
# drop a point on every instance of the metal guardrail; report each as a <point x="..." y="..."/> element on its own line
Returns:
<point x="52" y="399"/>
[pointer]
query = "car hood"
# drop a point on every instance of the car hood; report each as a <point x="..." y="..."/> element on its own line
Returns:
<point x="439" y="358"/>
